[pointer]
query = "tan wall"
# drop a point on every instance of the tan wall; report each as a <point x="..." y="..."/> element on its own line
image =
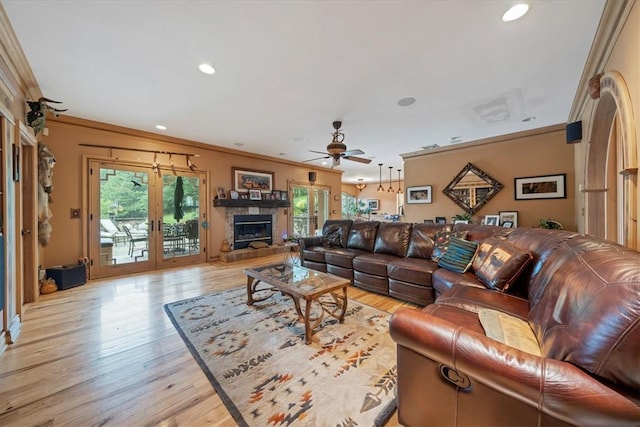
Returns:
<point x="513" y="156"/>
<point x="625" y="59"/>
<point x="66" y="135"/>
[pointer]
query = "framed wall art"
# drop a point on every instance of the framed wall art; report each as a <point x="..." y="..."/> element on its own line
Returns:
<point x="246" y="179"/>
<point x="373" y="204"/>
<point x="509" y="217"/>
<point x="419" y="194"/>
<point x="221" y="193"/>
<point x="541" y="187"/>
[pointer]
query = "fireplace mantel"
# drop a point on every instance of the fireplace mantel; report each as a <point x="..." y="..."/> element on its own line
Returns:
<point x="244" y="203"/>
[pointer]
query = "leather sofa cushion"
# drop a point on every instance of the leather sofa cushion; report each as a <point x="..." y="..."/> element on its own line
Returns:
<point x="498" y="263"/>
<point x="473" y="299"/>
<point x="393" y="238"/>
<point x="422" y="239"/>
<point x="335" y="232"/>
<point x="342" y="257"/>
<point x="442" y="242"/>
<point x="412" y="270"/>
<point x="315" y="253"/>
<point x="478" y="233"/>
<point x="589" y="313"/>
<point x="363" y="235"/>
<point x="443" y="280"/>
<point x="373" y="263"/>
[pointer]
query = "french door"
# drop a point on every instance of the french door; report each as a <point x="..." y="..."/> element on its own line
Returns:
<point x="310" y="206"/>
<point x="140" y="221"/>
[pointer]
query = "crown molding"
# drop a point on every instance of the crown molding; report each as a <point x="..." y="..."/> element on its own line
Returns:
<point x="15" y="59"/>
<point x="612" y="21"/>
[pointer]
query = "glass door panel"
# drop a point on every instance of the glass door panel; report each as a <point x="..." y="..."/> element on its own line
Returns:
<point x="310" y="209"/>
<point x="180" y="219"/>
<point x="120" y="237"/>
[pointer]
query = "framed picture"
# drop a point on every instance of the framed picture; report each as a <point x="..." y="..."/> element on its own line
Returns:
<point x="221" y="193"/>
<point x="245" y="180"/>
<point x="419" y="194"/>
<point x="507" y="224"/>
<point x="255" y="195"/>
<point x="461" y="221"/>
<point x="428" y="221"/>
<point x="492" y="219"/>
<point x="441" y="220"/>
<point x="373" y="204"/>
<point x="509" y="216"/>
<point x="233" y="194"/>
<point x="284" y="195"/>
<point x="541" y="187"/>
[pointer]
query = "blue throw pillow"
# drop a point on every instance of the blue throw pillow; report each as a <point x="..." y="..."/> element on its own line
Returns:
<point x="459" y="255"/>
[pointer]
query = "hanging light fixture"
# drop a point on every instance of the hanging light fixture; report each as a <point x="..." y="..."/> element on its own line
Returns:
<point x="380" y="187"/>
<point x="360" y="185"/>
<point x="390" y="190"/>
<point x="399" y="188"/>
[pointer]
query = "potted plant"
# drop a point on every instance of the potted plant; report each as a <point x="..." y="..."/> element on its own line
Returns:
<point x="550" y="224"/>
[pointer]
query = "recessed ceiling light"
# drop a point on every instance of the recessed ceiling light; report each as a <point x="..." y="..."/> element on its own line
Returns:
<point x="206" y="68"/>
<point x="405" y="102"/>
<point x="299" y="139"/>
<point x="238" y="144"/>
<point x="454" y="139"/>
<point x="161" y="127"/>
<point x="529" y="119"/>
<point x="516" y="12"/>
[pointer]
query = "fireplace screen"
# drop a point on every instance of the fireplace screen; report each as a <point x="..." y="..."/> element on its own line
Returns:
<point x="251" y="228"/>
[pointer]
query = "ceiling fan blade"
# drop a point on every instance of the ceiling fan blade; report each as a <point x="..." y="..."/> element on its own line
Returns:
<point x="358" y="159"/>
<point x="317" y="158"/>
<point x="353" y="152"/>
<point x="320" y="152"/>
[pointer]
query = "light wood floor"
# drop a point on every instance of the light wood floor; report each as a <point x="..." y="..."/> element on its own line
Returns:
<point x="106" y="354"/>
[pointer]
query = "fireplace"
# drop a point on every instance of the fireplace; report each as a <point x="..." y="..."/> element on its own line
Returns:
<point x="251" y="228"/>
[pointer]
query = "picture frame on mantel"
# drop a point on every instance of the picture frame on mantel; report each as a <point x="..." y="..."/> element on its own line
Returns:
<point x="248" y="179"/>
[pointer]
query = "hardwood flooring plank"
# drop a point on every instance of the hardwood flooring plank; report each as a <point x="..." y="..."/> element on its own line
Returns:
<point x="106" y="353"/>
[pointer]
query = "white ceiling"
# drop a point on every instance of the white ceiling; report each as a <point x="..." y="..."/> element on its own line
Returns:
<point x="285" y="70"/>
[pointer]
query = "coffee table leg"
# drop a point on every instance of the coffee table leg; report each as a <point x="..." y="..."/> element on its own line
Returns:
<point x="307" y="323"/>
<point x="249" y="290"/>
<point x="344" y="305"/>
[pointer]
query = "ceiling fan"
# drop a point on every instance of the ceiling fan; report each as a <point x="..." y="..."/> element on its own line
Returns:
<point x="337" y="150"/>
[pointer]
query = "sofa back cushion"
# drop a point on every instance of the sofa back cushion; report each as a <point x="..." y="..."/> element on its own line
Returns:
<point x="335" y="232"/>
<point x="422" y="239"/>
<point x="589" y="312"/>
<point x="478" y="233"/>
<point x="393" y="238"/>
<point x="541" y="243"/>
<point x="363" y="235"/>
<point x="499" y="263"/>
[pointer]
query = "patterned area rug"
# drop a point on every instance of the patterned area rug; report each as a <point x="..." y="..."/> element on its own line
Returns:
<point x="258" y="363"/>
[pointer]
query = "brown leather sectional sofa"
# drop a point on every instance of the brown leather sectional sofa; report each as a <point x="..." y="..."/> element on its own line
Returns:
<point x="579" y="295"/>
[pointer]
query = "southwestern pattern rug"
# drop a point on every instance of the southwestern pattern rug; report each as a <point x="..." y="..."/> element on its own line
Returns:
<point x="256" y="359"/>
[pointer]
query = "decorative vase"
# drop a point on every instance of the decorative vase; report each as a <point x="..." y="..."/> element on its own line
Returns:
<point x="225" y="246"/>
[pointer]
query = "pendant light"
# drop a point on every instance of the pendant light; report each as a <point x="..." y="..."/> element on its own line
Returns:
<point x="360" y="185"/>
<point x="380" y="187"/>
<point x="390" y="190"/>
<point x="399" y="188"/>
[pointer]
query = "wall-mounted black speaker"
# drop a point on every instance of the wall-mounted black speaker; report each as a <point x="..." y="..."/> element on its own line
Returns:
<point x="312" y="177"/>
<point x="574" y="132"/>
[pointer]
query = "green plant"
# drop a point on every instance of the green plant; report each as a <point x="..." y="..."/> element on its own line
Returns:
<point x="462" y="217"/>
<point x="363" y="208"/>
<point x="550" y="224"/>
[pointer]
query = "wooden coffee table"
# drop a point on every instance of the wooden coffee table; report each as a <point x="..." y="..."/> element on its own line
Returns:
<point x="326" y="291"/>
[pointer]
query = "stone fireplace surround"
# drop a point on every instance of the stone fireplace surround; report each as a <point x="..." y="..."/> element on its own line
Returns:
<point x="240" y="254"/>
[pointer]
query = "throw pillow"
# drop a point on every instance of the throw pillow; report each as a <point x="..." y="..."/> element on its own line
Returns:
<point x="258" y="245"/>
<point x="499" y="263"/>
<point x="459" y="255"/>
<point x="441" y="243"/>
<point x="509" y="330"/>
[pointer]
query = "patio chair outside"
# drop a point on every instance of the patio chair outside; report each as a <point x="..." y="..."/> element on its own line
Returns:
<point x="109" y="230"/>
<point x="133" y="239"/>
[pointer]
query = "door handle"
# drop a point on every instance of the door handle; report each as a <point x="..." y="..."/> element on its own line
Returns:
<point x="23" y="232"/>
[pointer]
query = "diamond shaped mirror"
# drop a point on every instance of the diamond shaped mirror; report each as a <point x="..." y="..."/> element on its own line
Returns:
<point x="472" y="188"/>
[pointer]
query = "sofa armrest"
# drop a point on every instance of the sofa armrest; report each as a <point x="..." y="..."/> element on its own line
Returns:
<point x="308" y="242"/>
<point x="558" y="389"/>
